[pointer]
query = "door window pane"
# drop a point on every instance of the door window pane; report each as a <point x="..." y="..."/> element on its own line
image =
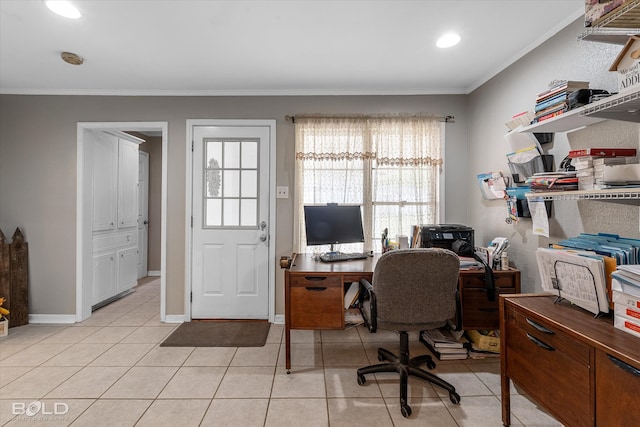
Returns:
<point x="231" y="183"/>
<point x="248" y="212"/>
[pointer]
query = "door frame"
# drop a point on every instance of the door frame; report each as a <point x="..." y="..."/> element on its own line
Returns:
<point x="271" y="124"/>
<point x="84" y="241"/>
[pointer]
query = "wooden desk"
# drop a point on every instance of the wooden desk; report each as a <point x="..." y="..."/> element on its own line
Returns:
<point x="582" y="370"/>
<point x="314" y="294"/>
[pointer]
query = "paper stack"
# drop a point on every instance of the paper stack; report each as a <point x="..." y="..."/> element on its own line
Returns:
<point x="625" y="286"/>
<point x="590" y="164"/>
<point x="578" y="276"/>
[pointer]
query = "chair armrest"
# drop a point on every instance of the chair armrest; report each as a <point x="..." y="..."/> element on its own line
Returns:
<point x="367" y="305"/>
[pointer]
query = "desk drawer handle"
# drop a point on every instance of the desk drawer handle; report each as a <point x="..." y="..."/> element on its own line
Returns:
<point x="625" y="366"/>
<point x="315" y="278"/>
<point x="489" y="310"/>
<point x="539" y="343"/>
<point x="316" y="288"/>
<point x="540" y="327"/>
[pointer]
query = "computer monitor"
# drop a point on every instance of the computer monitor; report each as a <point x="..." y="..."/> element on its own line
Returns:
<point x="333" y="224"/>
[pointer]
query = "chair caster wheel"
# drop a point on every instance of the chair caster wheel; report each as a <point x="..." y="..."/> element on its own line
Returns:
<point x="454" y="397"/>
<point x="361" y="380"/>
<point x="431" y="364"/>
<point x="406" y="410"/>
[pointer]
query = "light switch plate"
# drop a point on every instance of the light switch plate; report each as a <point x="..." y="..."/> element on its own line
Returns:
<point x="282" y="192"/>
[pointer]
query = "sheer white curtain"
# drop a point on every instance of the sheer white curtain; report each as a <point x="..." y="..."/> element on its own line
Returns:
<point x="388" y="164"/>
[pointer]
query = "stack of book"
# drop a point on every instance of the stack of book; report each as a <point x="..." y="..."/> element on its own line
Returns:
<point x="553" y="181"/>
<point x="553" y="101"/>
<point x="590" y="162"/>
<point x="625" y="286"/>
<point x="445" y="344"/>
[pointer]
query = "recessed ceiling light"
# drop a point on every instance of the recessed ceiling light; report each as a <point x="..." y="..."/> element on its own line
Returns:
<point x="63" y="8"/>
<point x="448" y="40"/>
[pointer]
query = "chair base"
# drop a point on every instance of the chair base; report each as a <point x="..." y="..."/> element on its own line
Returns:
<point x="405" y="366"/>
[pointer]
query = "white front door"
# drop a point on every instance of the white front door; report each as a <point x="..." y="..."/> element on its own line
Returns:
<point x="230" y="231"/>
<point x="143" y="214"/>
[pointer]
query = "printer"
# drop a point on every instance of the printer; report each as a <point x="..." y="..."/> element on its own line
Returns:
<point x="443" y="235"/>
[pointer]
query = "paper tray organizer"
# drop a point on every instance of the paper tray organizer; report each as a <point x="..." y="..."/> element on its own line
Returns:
<point x="521" y="171"/>
<point x="522" y="204"/>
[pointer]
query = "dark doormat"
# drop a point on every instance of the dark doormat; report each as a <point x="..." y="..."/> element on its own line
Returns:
<point x="218" y="334"/>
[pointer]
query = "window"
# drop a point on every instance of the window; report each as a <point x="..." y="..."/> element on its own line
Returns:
<point x="390" y="165"/>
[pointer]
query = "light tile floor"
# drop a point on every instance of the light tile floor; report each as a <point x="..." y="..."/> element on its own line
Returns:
<point x="110" y="371"/>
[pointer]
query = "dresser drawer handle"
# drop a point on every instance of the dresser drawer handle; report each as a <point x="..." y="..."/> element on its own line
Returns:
<point x="316" y="288"/>
<point x="625" y="366"/>
<point x="539" y="343"/>
<point x="315" y="278"/>
<point x="540" y="327"/>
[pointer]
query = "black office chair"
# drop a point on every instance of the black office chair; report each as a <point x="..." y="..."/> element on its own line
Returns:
<point x="412" y="290"/>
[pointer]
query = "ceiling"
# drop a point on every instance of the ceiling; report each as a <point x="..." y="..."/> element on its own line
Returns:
<point x="264" y="47"/>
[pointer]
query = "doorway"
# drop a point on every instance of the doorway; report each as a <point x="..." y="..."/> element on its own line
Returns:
<point x="84" y="242"/>
<point x="230" y="186"/>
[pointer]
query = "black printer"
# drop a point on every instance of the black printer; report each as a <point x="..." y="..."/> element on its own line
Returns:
<point x="443" y="235"/>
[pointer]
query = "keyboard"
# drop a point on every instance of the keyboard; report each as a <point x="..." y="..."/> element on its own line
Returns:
<point x="333" y="257"/>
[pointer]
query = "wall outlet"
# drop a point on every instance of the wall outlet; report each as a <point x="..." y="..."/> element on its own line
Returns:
<point x="282" y="192"/>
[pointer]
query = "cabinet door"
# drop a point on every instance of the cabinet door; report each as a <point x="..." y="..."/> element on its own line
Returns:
<point x="127" y="184"/>
<point x="617" y="388"/>
<point x="104" y="277"/>
<point x="105" y="189"/>
<point x="127" y="268"/>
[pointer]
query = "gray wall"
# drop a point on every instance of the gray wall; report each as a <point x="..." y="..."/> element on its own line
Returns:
<point x="38" y="144"/>
<point x="38" y="162"/>
<point x="514" y="91"/>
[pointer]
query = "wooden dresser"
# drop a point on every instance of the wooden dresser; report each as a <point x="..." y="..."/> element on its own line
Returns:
<point x="580" y="369"/>
<point x="477" y="311"/>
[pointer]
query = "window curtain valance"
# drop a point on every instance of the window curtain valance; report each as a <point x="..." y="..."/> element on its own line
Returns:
<point x="389" y="140"/>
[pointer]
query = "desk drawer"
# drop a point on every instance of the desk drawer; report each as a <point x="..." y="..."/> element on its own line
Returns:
<point x="478" y="312"/>
<point x="551" y="366"/>
<point x="316" y="302"/>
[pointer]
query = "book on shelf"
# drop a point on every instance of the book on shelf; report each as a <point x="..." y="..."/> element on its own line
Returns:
<point x="603" y="152"/>
<point x="558" y="107"/>
<point x="549" y="116"/>
<point x="562" y="86"/>
<point x="558" y="99"/>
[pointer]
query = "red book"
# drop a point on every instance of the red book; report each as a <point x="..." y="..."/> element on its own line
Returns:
<point x="603" y="152"/>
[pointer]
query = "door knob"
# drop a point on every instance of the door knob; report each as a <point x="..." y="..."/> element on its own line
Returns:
<point x="263" y="237"/>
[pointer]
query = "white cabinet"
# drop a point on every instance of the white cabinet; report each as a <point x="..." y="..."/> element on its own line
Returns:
<point x="127" y="268"/>
<point x="105" y="181"/>
<point x="115" y="183"/>
<point x="114" y="216"/>
<point x="127" y="184"/>
<point x="104" y="276"/>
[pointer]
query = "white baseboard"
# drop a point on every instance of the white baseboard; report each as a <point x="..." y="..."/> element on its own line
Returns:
<point x="174" y="318"/>
<point x="278" y="319"/>
<point x="52" y="318"/>
<point x="154" y="273"/>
